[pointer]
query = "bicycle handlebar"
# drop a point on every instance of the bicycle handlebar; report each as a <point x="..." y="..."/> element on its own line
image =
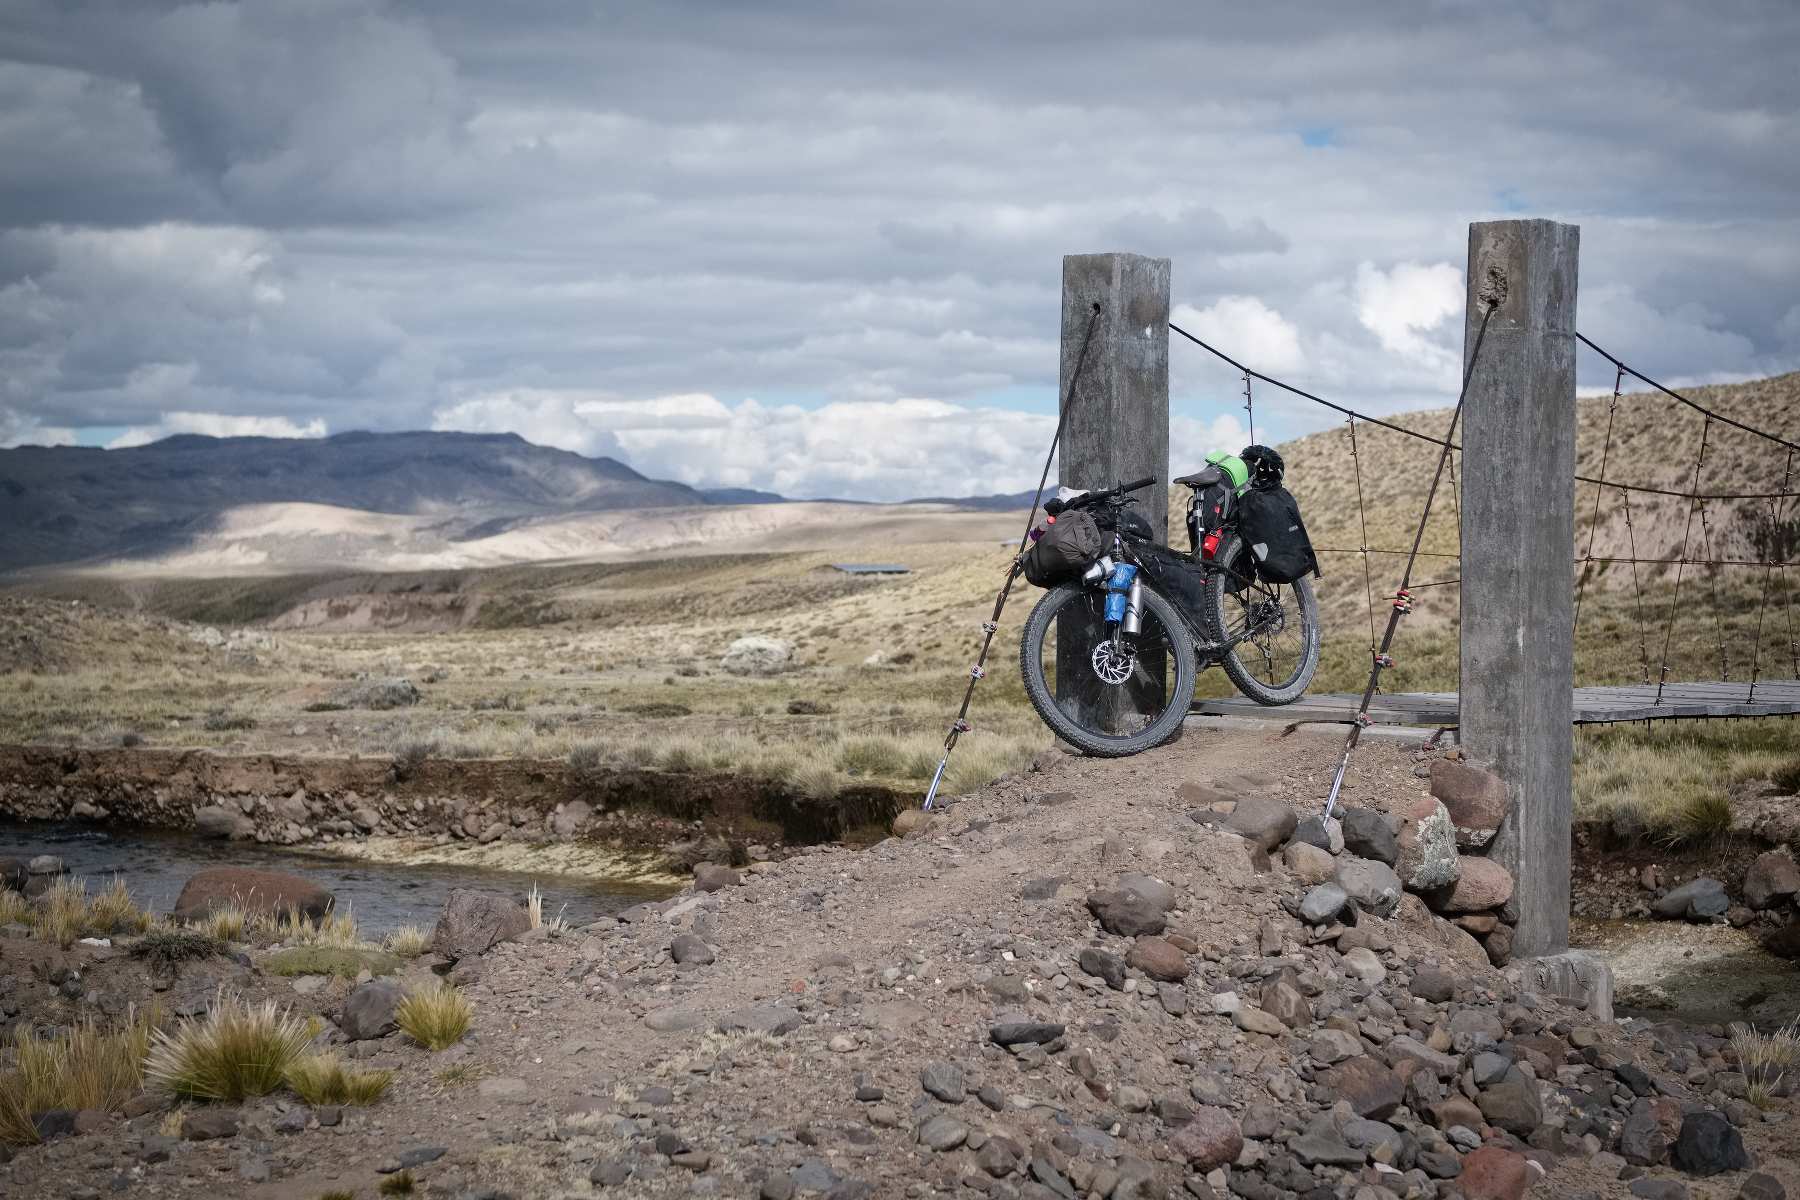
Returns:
<point x="1053" y="507"/>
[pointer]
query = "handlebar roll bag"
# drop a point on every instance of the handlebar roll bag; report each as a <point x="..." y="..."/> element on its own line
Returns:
<point x="1064" y="551"/>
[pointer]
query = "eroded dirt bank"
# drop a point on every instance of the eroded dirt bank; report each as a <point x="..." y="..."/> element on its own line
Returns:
<point x="294" y="800"/>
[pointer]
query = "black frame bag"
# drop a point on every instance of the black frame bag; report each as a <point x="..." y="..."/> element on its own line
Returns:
<point x="1268" y="519"/>
<point x="1069" y="544"/>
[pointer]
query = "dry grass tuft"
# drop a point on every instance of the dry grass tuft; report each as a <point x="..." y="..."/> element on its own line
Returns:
<point x="66" y="913"/>
<point x="336" y="930"/>
<point x="236" y="1050"/>
<point x="337" y="1195"/>
<point x="1765" y="1058"/>
<point x="408" y="941"/>
<point x="227" y="924"/>
<point x="435" y="1017"/>
<point x="322" y="1079"/>
<point x="85" y="1067"/>
<point x="14" y="909"/>
<point x="459" y="1075"/>
<point x="400" y="1183"/>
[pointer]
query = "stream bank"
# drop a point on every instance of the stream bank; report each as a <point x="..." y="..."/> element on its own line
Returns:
<point x="292" y="801"/>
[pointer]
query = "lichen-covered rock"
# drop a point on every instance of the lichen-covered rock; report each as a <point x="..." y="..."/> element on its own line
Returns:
<point x="1428" y="858"/>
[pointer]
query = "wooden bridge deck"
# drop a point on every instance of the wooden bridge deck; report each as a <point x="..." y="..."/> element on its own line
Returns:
<point x="1593" y="705"/>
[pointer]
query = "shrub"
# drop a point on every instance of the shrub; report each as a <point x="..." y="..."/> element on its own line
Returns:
<point x="236" y="1050"/>
<point x="587" y="759"/>
<point x="220" y="721"/>
<point x="408" y="941"/>
<point x="85" y="1067"/>
<point x="322" y="1079"/>
<point x="1703" y="817"/>
<point x="436" y="1017"/>
<point x="164" y="950"/>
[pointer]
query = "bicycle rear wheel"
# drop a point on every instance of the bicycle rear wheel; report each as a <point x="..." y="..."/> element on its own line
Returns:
<point x="1278" y="625"/>
<point x="1108" y="698"/>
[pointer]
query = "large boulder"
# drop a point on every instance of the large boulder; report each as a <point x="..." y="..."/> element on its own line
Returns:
<point x="1372" y="885"/>
<point x="1772" y="878"/>
<point x="474" y="922"/>
<point x="757" y="655"/>
<point x="1708" y="1145"/>
<point x="1481" y="884"/>
<point x="1512" y="1103"/>
<point x="257" y="892"/>
<point x="219" y="821"/>
<point x="1267" y="823"/>
<point x="369" y="1010"/>
<point x="1428" y="859"/>
<point x="1126" y="912"/>
<point x="1475" y="797"/>
<point x="13" y="874"/>
<point x="1696" y="900"/>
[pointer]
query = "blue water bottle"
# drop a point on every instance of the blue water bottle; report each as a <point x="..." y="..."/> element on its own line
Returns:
<point x="1118" y="588"/>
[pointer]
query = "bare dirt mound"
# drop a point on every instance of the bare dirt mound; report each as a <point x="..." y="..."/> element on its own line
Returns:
<point x="943" y="1015"/>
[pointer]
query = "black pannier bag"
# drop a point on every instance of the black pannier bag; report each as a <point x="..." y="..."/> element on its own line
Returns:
<point x="1268" y="519"/>
<point x="1177" y="577"/>
<point x="1069" y="544"/>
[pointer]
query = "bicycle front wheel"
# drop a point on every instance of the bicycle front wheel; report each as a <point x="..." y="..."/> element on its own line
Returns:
<point x="1272" y="629"/>
<point x="1107" y="695"/>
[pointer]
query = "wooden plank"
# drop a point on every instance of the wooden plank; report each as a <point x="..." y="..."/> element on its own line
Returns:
<point x="1593" y="705"/>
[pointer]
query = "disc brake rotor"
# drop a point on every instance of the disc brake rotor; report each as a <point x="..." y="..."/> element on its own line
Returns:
<point x="1114" y="664"/>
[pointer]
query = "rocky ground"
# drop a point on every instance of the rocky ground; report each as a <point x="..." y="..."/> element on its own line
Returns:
<point x="1082" y="981"/>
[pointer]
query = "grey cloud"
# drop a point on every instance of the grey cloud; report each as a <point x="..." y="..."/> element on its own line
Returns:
<point x="379" y="210"/>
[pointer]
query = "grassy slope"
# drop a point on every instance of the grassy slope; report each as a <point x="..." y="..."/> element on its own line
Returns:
<point x="622" y="660"/>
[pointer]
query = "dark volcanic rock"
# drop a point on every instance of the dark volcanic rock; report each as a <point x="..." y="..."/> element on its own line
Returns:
<point x="1370" y="1089"/>
<point x="1695" y="900"/>
<point x="1708" y="1145"/>
<point x="1104" y="965"/>
<point x="369" y="1010"/>
<point x="1014" y="1029"/>
<point x="1367" y="834"/>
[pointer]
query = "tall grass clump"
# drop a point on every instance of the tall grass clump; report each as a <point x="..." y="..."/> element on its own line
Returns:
<point x="226" y="923"/>
<point x="323" y="1079"/>
<point x="1766" y="1058"/>
<point x="84" y="1067"/>
<point x="408" y="941"/>
<point x="14" y="909"/>
<point x="237" y="1049"/>
<point x="435" y="1017"/>
<point x="67" y="913"/>
<point x="335" y="929"/>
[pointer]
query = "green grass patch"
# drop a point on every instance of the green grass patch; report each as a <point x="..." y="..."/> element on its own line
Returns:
<point x="346" y="963"/>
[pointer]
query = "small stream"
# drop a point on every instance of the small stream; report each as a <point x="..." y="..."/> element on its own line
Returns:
<point x="381" y="896"/>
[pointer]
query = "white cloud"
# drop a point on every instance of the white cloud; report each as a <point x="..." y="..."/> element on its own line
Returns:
<point x="1248" y="330"/>
<point x="1400" y="306"/>
<point x="21" y="429"/>
<point x="217" y="425"/>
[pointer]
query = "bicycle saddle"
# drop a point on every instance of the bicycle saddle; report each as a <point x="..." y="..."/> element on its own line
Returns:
<point x="1205" y="477"/>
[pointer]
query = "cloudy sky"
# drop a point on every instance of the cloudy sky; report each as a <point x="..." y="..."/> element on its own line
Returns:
<point x="816" y="247"/>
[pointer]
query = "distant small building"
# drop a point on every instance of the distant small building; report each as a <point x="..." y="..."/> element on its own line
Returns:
<point x="871" y="568"/>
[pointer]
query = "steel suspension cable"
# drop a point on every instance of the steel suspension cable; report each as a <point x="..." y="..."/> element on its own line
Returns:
<point x="1681" y="563"/>
<point x="1612" y="408"/>
<point x="1362" y="521"/>
<point x="990" y="627"/>
<point x="1403" y="595"/>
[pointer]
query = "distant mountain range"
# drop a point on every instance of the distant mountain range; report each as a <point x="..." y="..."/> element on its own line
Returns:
<point x="67" y="504"/>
